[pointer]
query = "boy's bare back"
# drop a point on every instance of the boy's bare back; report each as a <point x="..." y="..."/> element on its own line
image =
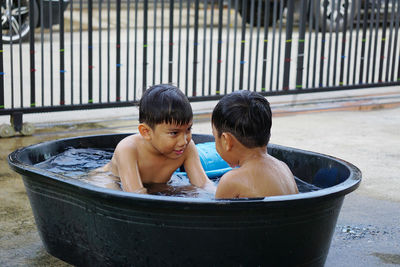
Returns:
<point x="264" y="176"/>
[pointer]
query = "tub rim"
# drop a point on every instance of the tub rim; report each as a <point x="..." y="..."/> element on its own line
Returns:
<point x="341" y="189"/>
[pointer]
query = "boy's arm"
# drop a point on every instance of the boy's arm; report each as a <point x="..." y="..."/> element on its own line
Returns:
<point x="128" y="170"/>
<point x="195" y="171"/>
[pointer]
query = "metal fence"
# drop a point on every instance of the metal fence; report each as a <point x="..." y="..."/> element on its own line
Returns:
<point x="66" y="55"/>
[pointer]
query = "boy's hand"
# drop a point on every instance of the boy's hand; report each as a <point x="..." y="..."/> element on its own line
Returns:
<point x="195" y="171"/>
<point x="210" y="187"/>
<point x="142" y="190"/>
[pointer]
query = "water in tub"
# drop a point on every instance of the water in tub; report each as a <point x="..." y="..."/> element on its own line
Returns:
<point x="79" y="163"/>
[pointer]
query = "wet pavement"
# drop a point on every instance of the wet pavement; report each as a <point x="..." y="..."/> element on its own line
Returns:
<point x="362" y="127"/>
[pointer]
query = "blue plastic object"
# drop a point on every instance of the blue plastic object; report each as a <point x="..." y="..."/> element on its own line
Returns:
<point x="212" y="163"/>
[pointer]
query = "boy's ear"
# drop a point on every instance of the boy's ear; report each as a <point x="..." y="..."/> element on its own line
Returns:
<point x="227" y="141"/>
<point x="145" y="130"/>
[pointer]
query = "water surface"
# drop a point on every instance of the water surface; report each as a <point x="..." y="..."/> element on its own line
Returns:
<point x="78" y="163"/>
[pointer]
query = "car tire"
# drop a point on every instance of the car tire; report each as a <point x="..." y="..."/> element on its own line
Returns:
<point x="334" y="18"/>
<point x="20" y="27"/>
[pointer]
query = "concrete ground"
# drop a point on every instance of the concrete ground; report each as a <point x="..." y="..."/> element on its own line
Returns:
<point x="360" y="126"/>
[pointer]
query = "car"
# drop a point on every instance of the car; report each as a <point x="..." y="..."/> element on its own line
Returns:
<point x="335" y="15"/>
<point x="335" y="10"/>
<point x="15" y="17"/>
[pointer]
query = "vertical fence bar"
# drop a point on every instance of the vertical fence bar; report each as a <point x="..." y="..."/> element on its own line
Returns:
<point x="171" y="41"/>
<point x="128" y="41"/>
<point x="90" y="51"/>
<point x="42" y="51"/>
<point x="155" y="41"/>
<point x="300" y="51"/>
<point x="210" y="60"/>
<point x="71" y="27"/>
<point x="135" y="51"/>
<point x="31" y="54"/>
<point x="179" y="42"/>
<point x="21" y="82"/>
<point x="100" y="50"/>
<point x="203" y="85"/>
<point x="316" y="28"/>
<point x="395" y="56"/>
<point x="162" y="41"/>
<point x="288" y="45"/>
<point x="80" y="52"/>
<point x="242" y="43"/>
<point x="390" y="41"/>
<point x="118" y="67"/>
<point x="398" y="56"/>
<point x="363" y="44"/>
<point x="108" y="50"/>
<point x="275" y="9"/>
<point x="336" y="43"/>
<point x="11" y="62"/>
<point x="51" y="52"/>
<point x="250" y="43"/>
<point x="330" y="50"/>
<point x="145" y="44"/>
<point x="195" y="47"/>
<point x="281" y="4"/>
<point x="356" y="42"/>
<point x="187" y="47"/>
<point x="234" y="45"/>
<point x="370" y="40"/>
<point x="323" y="41"/>
<point x="383" y="41"/>
<point x="62" y="55"/>
<point x="228" y="31"/>
<point x="376" y="42"/>
<point x="2" y="67"/>
<point x="265" y="45"/>
<point x="259" y="8"/>
<point x="219" y="47"/>
<point x="12" y="74"/>
<point x="310" y="25"/>
<point x="342" y="54"/>
<point x="349" y="55"/>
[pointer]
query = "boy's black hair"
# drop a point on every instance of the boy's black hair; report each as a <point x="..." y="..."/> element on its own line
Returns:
<point x="164" y="103"/>
<point x="246" y="115"/>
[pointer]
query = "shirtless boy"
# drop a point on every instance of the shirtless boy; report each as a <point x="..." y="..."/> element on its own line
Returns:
<point x="163" y="144"/>
<point x="241" y="123"/>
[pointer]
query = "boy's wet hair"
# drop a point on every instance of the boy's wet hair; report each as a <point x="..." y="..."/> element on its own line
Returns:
<point x="164" y="103"/>
<point x="246" y="115"/>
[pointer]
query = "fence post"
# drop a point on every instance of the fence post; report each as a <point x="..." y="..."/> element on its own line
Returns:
<point x="288" y="45"/>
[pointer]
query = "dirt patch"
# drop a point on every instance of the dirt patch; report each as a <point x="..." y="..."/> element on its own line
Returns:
<point x="388" y="258"/>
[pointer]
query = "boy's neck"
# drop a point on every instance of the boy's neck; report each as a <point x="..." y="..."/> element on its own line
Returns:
<point x="245" y="155"/>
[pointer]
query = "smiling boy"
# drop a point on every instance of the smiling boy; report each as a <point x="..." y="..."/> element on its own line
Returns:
<point x="164" y="143"/>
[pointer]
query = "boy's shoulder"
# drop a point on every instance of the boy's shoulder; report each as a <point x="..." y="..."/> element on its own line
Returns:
<point x="233" y="177"/>
<point x="131" y="142"/>
<point x="233" y="184"/>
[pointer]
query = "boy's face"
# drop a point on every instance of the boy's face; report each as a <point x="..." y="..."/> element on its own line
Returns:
<point x="170" y="139"/>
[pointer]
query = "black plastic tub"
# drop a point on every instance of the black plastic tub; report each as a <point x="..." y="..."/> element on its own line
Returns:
<point x="91" y="226"/>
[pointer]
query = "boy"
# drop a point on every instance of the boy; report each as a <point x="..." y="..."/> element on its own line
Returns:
<point x="241" y="123"/>
<point x="163" y="144"/>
